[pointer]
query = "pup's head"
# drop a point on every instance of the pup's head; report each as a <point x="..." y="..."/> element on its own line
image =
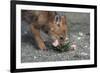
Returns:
<point x="58" y="30"/>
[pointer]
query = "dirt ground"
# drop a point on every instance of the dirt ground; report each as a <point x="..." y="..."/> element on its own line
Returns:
<point x="79" y="33"/>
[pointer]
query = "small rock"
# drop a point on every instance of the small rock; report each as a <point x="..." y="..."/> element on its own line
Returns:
<point x="35" y="57"/>
<point x="86" y="46"/>
<point x="73" y="46"/>
<point x="79" y="38"/>
<point x="80" y="33"/>
<point x="84" y="54"/>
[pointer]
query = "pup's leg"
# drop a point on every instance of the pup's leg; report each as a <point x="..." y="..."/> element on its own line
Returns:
<point x="38" y="38"/>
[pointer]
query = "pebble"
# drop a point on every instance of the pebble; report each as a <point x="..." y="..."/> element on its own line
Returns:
<point x="83" y="53"/>
<point x="86" y="46"/>
<point x="35" y="57"/>
<point x="79" y="38"/>
<point x="73" y="46"/>
<point x="80" y="33"/>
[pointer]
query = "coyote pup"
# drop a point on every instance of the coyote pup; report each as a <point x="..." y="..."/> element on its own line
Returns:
<point x="53" y="24"/>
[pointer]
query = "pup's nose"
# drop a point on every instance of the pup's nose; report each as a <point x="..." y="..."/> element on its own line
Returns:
<point x="61" y="38"/>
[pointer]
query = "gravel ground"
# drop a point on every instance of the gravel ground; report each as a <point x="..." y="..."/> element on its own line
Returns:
<point x="78" y="33"/>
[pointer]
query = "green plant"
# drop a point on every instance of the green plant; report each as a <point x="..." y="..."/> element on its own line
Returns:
<point x="62" y="48"/>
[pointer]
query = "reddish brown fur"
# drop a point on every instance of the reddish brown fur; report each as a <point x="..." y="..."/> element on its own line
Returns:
<point x="45" y="20"/>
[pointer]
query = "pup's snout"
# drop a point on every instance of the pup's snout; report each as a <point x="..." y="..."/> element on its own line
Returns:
<point x="61" y="38"/>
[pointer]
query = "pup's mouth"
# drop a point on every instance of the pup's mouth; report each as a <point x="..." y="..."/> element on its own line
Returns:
<point x="57" y="43"/>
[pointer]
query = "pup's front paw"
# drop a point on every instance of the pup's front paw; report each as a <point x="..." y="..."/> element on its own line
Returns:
<point x="43" y="47"/>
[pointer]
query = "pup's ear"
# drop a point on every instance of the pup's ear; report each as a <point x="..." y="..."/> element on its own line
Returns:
<point x="57" y="19"/>
<point x="63" y="20"/>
